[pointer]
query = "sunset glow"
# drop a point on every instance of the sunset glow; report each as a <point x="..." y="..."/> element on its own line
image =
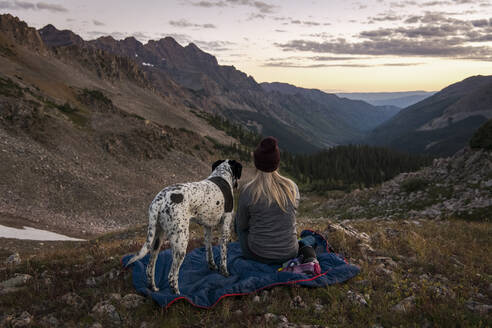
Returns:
<point x="334" y="46"/>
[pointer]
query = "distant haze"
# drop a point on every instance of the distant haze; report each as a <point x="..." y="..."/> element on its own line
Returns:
<point x="363" y="46"/>
<point x="398" y="99"/>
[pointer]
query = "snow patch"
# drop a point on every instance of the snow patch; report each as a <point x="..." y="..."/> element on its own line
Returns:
<point x="148" y="64"/>
<point x="27" y="233"/>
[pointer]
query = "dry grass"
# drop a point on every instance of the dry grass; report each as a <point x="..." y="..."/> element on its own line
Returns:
<point x="429" y="256"/>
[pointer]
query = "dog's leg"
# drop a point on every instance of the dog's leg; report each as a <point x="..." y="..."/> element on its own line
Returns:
<point x="179" y="241"/>
<point x="226" y="235"/>
<point x="154" y="252"/>
<point x="208" y="247"/>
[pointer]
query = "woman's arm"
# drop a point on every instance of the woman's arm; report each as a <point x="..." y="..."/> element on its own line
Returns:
<point x="242" y="214"/>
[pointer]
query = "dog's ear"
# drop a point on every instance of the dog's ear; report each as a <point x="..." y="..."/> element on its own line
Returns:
<point x="237" y="168"/>
<point x="217" y="163"/>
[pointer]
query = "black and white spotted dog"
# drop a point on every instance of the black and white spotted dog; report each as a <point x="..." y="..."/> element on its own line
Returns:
<point x="208" y="202"/>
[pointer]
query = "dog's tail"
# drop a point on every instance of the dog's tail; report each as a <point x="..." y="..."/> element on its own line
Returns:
<point x="151" y="236"/>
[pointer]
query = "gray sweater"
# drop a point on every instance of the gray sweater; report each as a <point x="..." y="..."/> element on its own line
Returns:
<point x="271" y="231"/>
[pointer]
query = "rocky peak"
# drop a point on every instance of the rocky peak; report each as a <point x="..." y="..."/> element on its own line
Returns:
<point x="108" y="39"/>
<point x="196" y="53"/>
<point x="131" y="42"/>
<point x="59" y="38"/>
<point x="17" y="30"/>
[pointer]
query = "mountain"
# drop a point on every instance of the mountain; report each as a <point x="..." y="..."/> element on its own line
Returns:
<point x="355" y="114"/>
<point x="301" y="123"/>
<point x="442" y="123"/>
<point x="398" y="99"/>
<point x="87" y="139"/>
<point x="210" y="87"/>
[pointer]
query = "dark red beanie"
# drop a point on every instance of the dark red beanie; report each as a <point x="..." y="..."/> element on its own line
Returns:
<point x="267" y="155"/>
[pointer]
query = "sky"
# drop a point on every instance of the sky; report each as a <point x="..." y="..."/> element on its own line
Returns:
<point x="334" y="46"/>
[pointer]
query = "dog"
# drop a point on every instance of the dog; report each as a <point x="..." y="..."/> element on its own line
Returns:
<point x="208" y="202"/>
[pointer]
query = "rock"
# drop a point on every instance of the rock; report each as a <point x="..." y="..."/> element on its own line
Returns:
<point x="478" y="307"/>
<point x="382" y="271"/>
<point x="17" y="281"/>
<point x="443" y="291"/>
<point x="356" y="298"/>
<point x="74" y="300"/>
<point x="297" y="302"/>
<point x="115" y="297"/>
<point x="91" y="282"/>
<point x="405" y="305"/>
<point x="270" y="317"/>
<point x="264" y="295"/>
<point x="96" y="325"/>
<point x="318" y="307"/>
<point x="131" y="301"/>
<point x="238" y="313"/>
<point x="49" y="321"/>
<point x="5" y="320"/>
<point x="256" y="299"/>
<point x="386" y="261"/>
<point x="23" y="320"/>
<point x="106" y="309"/>
<point x="13" y="259"/>
<point x="144" y="325"/>
<point x="47" y="278"/>
<point x="392" y="233"/>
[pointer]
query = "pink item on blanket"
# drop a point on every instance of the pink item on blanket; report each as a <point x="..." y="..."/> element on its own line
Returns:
<point x="309" y="268"/>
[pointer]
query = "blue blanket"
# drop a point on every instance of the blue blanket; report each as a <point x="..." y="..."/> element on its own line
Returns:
<point x="204" y="288"/>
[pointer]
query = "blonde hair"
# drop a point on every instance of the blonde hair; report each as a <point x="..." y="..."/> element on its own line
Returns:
<point x="273" y="187"/>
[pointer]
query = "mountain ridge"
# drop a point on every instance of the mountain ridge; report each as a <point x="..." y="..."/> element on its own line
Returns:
<point x="300" y="124"/>
<point x="399" y="99"/>
<point x="434" y="125"/>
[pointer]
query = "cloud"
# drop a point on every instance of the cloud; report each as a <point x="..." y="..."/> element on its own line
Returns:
<point x="184" y="24"/>
<point x="289" y="64"/>
<point x="51" y="7"/>
<point x="305" y="23"/>
<point x="141" y="36"/>
<point x="96" y="34"/>
<point x="402" y="4"/>
<point x="261" y="6"/>
<point x="209" y="4"/>
<point x="333" y="58"/>
<point x="25" y="5"/>
<point x="395" y="47"/>
<point x="97" y="23"/>
<point x="255" y="16"/>
<point x="436" y="36"/>
<point x="17" y="5"/>
<point x="384" y="17"/>
<point x="215" y="45"/>
<point x="180" y="38"/>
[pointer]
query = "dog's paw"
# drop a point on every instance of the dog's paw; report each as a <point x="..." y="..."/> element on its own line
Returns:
<point x="155" y="289"/>
<point x="224" y="272"/>
<point x="213" y="266"/>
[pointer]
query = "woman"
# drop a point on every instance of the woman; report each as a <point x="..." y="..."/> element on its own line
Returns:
<point x="266" y="214"/>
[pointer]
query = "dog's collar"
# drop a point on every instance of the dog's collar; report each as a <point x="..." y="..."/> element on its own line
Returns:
<point x="226" y="191"/>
